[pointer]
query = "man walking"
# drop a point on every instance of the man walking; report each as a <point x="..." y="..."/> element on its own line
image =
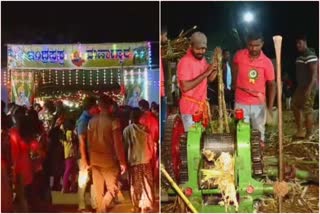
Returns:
<point x="303" y="98"/>
<point x="90" y="109"/>
<point x="106" y="152"/>
<point x="152" y="123"/>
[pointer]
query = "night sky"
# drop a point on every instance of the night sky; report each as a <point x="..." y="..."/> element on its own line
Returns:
<point x="285" y="18"/>
<point x="84" y="22"/>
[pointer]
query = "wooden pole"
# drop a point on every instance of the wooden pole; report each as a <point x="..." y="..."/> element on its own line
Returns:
<point x="277" y="44"/>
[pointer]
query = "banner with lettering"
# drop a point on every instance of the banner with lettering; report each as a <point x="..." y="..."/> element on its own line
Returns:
<point x="22" y="87"/>
<point x="78" y="55"/>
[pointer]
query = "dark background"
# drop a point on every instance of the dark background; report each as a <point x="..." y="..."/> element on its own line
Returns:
<point x="217" y="19"/>
<point x="84" y="22"/>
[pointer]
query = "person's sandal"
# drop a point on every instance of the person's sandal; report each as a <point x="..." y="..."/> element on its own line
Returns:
<point x="135" y="210"/>
<point x="147" y="210"/>
<point x="84" y="211"/>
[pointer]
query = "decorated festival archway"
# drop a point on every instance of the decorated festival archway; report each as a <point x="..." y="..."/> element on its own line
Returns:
<point x="70" y="71"/>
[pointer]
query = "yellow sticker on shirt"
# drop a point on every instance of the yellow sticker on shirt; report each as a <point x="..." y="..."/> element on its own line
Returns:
<point x="253" y="76"/>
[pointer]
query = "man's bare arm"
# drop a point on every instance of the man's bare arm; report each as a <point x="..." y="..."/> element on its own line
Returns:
<point x="83" y="149"/>
<point x="119" y="149"/>
<point x="271" y="92"/>
<point x="187" y="85"/>
<point x="214" y="73"/>
<point x="313" y="68"/>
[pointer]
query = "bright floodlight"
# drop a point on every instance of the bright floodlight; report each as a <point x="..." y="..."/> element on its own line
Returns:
<point x="248" y="17"/>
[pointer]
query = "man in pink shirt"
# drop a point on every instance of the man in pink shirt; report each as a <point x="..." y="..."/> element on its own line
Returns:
<point x="193" y="74"/>
<point x="252" y="72"/>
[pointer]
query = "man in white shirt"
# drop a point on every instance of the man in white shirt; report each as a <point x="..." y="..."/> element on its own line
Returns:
<point x="174" y="88"/>
<point x="227" y="79"/>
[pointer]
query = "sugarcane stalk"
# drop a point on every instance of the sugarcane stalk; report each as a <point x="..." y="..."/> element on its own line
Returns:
<point x="189" y="31"/>
<point x="209" y="111"/>
<point x="220" y="119"/>
<point x="224" y="108"/>
<point x="177" y="47"/>
<point x="223" y="116"/>
<point x="180" y="193"/>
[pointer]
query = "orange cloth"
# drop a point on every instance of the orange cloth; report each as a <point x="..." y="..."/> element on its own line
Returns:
<point x="190" y="68"/>
<point x="203" y="108"/>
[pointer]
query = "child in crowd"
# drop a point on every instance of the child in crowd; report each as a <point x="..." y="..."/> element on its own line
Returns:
<point x="140" y="150"/>
<point x="70" y="154"/>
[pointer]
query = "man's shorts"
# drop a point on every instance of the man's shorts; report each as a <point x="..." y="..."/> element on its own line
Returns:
<point x="308" y="106"/>
<point x="256" y="115"/>
<point x="187" y="121"/>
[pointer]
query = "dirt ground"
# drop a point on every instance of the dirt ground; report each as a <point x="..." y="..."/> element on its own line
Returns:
<point x="304" y="155"/>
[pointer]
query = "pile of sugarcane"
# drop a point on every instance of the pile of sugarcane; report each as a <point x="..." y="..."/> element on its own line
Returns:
<point x="176" y="48"/>
<point x="223" y="121"/>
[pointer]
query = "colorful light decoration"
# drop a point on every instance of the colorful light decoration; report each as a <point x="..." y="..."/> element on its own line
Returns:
<point x="104" y="77"/>
<point x="63" y="78"/>
<point x="36" y="79"/>
<point x="57" y="80"/>
<point x="119" y="77"/>
<point x="70" y="77"/>
<point x="111" y="79"/>
<point x="139" y="76"/>
<point x="9" y="78"/>
<point x="125" y="77"/>
<point x="145" y="74"/>
<point x="131" y="76"/>
<point x="149" y="52"/>
<point x="83" y="78"/>
<point x="90" y="80"/>
<point x="43" y="79"/>
<point x="5" y="78"/>
<point x="97" y="73"/>
<point x="49" y="76"/>
<point x="77" y="77"/>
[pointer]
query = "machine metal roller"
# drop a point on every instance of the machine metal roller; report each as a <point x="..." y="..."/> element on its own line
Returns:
<point x="218" y="143"/>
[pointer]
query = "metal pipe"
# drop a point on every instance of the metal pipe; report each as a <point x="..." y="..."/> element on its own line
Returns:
<point x="268" y="189"/>
<point x="210" y="191"/>
<point x="180" y="193"/>
<point x="272" y="171"/>
<point x="268" y="160"/>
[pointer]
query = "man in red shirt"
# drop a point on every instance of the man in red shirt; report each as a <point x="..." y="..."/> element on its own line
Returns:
<point x="252" y="72"/>
<point x="152" y="123"/>
<point x="193" y="74"/>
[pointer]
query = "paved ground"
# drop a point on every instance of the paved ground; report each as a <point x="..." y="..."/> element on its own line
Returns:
<point x="68" y="203"/>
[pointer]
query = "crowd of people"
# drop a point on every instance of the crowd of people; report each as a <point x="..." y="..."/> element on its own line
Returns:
<point x="46" y="148"/>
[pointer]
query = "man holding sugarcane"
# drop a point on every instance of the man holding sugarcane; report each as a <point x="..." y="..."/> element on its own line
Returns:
<point x="193" y="74"/>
